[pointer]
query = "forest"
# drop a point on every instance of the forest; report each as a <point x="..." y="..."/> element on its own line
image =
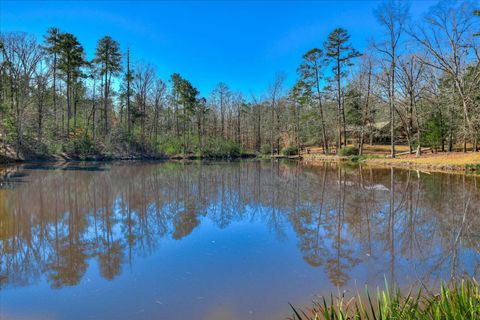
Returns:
<point x="417" y="86"/>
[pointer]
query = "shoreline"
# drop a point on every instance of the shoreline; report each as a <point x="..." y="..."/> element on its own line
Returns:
<point x="448" y="168"/>
<point x="455" y="162"/>
<point x="441" y="162"/>
<point x="105" y="158"/>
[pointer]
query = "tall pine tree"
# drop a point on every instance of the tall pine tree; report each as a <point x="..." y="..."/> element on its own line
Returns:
<point x="340" y="54"/>
<point x="52" y="47"/>
<point x="72" y="58"/>
<point x="109" y="58"/>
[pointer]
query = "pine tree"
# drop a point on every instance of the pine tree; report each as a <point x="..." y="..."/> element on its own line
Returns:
<point x="72" y="58"/>
<point x="185" y="95"/>
<point x="109" y="58"/>
<point x="340" y="54"/>
<point x="311" y="75"/>
<point x="53" y="41"/>
<point x="128" y="79"/>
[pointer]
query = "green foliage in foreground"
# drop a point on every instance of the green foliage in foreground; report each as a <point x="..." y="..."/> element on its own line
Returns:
<point x="455" y="301"/>
<point x="205" y="148"/>
<point x="364" y="157"/>
<point x="220" y="148"/>
<point x="348" y="151"/>
<point x="290" y="151"/>
<point x="266" y="149"/>
<point x="473" y="167"/>
<point x="79" y="145"/>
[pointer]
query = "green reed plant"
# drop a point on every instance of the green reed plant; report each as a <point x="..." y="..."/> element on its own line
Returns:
<point x="457" y="300"/>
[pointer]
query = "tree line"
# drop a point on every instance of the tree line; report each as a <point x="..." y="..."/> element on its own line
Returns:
<point x="417" y="84"/>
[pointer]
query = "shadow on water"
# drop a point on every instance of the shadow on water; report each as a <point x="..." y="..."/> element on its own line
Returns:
<point x="65" y="167"/>
<point x="13" y="175"/>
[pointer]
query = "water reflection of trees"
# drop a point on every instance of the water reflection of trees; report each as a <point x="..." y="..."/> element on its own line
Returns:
<point x="55" y="222"/>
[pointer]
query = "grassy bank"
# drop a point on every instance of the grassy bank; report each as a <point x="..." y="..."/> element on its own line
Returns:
<point x="379" y="156"/>
<point x="458" y="300"/>
<point x="453" y="161"/>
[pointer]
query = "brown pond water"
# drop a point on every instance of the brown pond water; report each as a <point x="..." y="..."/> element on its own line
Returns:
<point x="223" y="240"/>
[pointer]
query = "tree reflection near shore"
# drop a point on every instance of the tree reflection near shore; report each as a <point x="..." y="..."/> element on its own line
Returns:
<point x="55" y="220"/>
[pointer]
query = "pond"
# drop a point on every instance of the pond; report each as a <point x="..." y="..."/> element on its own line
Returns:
<point x="223" y="240"/>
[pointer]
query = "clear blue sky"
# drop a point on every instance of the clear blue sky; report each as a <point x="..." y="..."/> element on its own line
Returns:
<point x="243" y="44"/>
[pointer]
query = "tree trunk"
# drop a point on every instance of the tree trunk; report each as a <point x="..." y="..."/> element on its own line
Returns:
<point x="464" y="132"/>
<point x="366" y="111"/>
<point x="68" y="104"/>
<point x="271" y="129"/>
<point x="222" y="115"/>
<point x="129" y="121"/>
<point x="105" y="101"/>
<point x="392" y="102"/>
<point x="94" y="107"/>
<point x="392" y="115"/>
<point x="320" y="107"/>
<point x="55" y="92"/>
<point x="74" y="111"/>
<point x="339" y="101"/>
<point x="40" y="122"/>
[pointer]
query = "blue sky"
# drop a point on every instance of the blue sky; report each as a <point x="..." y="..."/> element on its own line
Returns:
<point x="243" y="44"/>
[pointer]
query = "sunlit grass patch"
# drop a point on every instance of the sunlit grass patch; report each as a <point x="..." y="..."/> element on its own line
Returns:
<point x="452" y="158"/>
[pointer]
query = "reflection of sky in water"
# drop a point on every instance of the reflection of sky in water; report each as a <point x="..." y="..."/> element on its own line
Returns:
<point x="236" y="241"/>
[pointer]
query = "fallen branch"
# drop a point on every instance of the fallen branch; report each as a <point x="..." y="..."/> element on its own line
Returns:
<point x="408" y="152"/>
